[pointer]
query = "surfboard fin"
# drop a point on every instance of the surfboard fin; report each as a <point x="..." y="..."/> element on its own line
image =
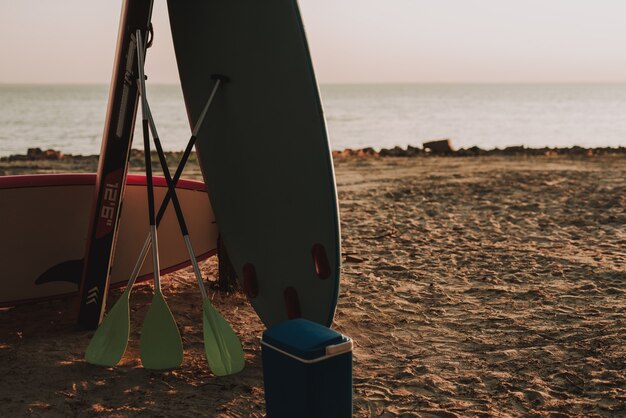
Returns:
<point x="67" y="271"/>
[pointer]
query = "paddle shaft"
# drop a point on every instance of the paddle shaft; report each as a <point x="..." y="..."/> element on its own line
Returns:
<point x="148" y="160"/>
<point x="177" y="174"/>
<point x="172" y="191"/>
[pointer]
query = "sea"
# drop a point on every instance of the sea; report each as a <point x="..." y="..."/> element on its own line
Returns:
<point x="71" y="118"/>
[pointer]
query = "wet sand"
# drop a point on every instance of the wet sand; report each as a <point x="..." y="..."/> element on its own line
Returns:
<point x="479" y="286"/>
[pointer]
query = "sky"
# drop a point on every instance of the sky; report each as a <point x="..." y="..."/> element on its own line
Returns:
<point x="351" y="41"/>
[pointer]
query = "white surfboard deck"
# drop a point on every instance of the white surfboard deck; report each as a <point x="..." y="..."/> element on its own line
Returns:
<point x="44" y="221"/>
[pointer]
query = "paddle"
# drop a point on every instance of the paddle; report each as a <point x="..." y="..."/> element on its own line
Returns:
<point x="160" y="344"/>
<point x="181" y="165"/>
<point x="108" y="344"/>
<point x="221" y="344"/>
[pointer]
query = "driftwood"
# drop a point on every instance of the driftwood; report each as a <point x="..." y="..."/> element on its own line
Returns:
<point x="440" y="147"/>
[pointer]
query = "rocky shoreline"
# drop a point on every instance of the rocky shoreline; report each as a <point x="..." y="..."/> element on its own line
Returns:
<point x="448" y="151"/>
<point x="442" y="148"/>
<point x="37" y="154"/>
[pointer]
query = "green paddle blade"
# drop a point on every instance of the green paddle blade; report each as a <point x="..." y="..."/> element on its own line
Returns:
<point x="108" y="344"/>
<point x="221" y="344"/>
<point x="160" y="343"/>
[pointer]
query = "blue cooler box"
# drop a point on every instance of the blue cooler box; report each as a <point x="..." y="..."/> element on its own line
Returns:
<point x="307" y="371"/>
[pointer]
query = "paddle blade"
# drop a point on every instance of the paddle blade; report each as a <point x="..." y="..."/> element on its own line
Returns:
<point x="221" y="344"/>
<point x="160" y="343"/>
<point x="108" y="344"/>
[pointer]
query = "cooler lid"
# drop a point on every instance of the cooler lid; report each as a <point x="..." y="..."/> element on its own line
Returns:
<point x="302" y="338"/>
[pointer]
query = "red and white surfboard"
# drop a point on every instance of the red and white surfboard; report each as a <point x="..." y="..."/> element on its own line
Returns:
<point x="44" y="221"/>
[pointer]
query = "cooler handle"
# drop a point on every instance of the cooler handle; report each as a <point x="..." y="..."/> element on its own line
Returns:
<point x="333" y="350"/>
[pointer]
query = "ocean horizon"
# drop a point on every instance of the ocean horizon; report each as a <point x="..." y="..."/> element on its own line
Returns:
<point x="70" y="117"/>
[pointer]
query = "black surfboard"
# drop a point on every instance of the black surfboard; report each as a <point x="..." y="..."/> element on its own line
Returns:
<point x="263" y="151"/>
<point x="112" y="166"/>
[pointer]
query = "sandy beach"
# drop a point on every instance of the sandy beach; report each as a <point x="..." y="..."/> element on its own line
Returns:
<point x="476" y="286"/>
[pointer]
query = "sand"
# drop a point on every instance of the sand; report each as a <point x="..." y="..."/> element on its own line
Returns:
<point x="483" y="286"/>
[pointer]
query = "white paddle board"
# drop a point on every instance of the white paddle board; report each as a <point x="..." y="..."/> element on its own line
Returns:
<point x="44" y="221"/>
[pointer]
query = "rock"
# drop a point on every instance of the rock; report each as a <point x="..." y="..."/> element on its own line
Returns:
<point x="38" y="154"/>
<point x="398" y="152"/>
<point x="354" y="259"/>
<point x="51" y="154"/>
<point x="18" y="157"/>
<point x="34" y="153"/>
<point x="476" y="151"/>
<point x="367" y="152"/>
<point x="576" y="150"/>
<point x="393" y="152"/>
<point x="470" y="152"/>
<point x="413" y="151"/>
<point x="439" y="147"/>
<point x="348" y="152"/>
<point x="514" y="150"/>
